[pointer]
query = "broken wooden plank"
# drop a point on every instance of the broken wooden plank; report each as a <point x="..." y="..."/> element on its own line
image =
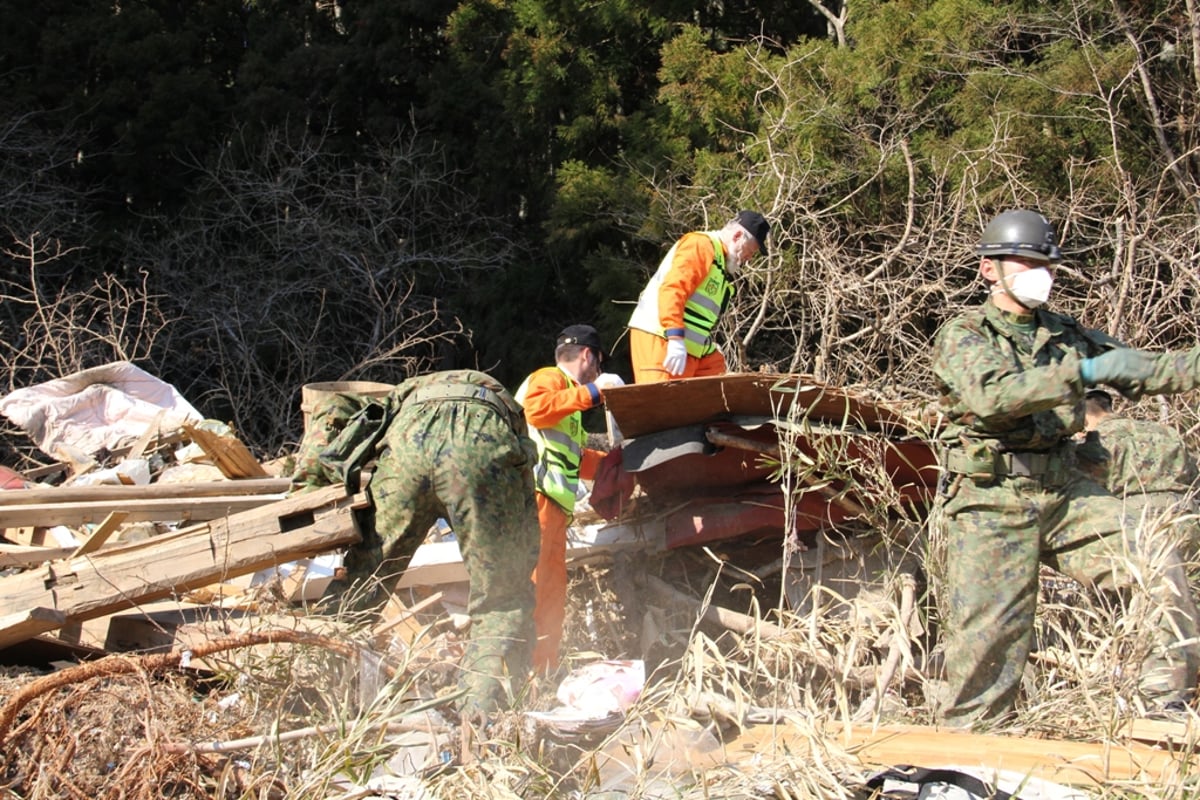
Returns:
<point x="168" y="509"/>
<point x="395" y="614"/>
<point x="111" y="493"/>
<point x="301" y="526"/>
<point x="228" y="452"/>
<point x="152" y="430"/>
<point x="99" y="536"/>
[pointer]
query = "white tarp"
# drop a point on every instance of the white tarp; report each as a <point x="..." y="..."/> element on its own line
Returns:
<point x="97" y="408"/>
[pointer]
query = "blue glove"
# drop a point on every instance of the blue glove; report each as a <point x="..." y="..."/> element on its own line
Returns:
<point x="1120" y="367"/>
<point x="676" y="360"/>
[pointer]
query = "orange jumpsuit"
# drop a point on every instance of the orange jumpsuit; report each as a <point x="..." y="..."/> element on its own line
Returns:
<point x="689" y="267"/>
<point x="550" y="396"/>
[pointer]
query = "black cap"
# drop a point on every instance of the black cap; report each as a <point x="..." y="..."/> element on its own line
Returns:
<point x="756" y="225"/>
<point x="585" y="335"/>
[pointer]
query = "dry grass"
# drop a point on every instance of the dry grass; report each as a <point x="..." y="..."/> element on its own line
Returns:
<point x="834" y="632"/>
<point x="146" y="733"/>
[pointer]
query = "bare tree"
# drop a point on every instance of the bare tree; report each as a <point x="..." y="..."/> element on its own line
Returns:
<point x="291" y="267"/>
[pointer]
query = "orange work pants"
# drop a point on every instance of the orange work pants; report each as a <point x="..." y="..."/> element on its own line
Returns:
<point x="550" y="584"/>
<point x="647" y="351"/>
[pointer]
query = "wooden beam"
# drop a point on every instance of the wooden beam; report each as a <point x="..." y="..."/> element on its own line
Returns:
<point x="23" y="625"/>
<point x="111" y="493"/>
<point x="169" y="509"/>
<point x="302" y="526"/>
<point x="22" y="555"/>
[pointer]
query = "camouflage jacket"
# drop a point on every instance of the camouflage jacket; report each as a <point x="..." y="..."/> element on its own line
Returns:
<point x="340" y="427"/>
<point x="1010" y="382"/>
<point x="1141" y="456"/>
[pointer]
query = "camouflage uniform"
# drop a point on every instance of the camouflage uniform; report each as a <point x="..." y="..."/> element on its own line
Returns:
<point x="329" y="418"/>
<point x="456" y="447"/>
<point x="1148" y="465"/>
<point x="1012" y="499"/>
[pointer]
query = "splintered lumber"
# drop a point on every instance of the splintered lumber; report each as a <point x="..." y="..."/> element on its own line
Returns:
<point x="112" y="579"/>
<point x="227" y="452"/>
<point x="1065" y="762"/>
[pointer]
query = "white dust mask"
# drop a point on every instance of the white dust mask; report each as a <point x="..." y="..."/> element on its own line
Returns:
<point x="1031" y="287"/>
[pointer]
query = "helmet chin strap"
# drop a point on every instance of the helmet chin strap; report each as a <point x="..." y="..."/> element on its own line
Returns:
<point x="1004" y="287"/>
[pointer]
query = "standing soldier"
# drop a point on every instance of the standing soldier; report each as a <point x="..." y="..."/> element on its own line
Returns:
<point x="1012" y="377"/>
<point x="554" y="399"/>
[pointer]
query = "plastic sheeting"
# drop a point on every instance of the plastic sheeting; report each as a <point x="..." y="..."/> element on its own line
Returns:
<point x="95" y="409"/>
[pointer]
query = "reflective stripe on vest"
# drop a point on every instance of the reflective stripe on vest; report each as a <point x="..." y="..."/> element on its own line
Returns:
<point x="700" y="312"/>
<point x="560" y="450"/>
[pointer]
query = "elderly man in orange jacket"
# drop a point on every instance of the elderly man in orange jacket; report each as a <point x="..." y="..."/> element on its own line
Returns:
<point x="554" y="399"/>
<point x="670" y="331"/>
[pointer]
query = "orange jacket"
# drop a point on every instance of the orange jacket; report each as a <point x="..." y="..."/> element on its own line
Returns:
<point x="689" y="267"/>
<point x="550" y="397"/>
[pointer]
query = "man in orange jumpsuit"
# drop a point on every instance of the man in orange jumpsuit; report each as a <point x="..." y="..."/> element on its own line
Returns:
<point x="670" y="331"/>
<point x="554" y="399"/>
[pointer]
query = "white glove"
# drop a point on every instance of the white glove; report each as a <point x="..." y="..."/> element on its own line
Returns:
<point x="676" y="359"/>
<point x="608" y="380"/>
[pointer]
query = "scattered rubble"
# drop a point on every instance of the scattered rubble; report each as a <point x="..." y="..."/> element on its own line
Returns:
<point x="166" y="549"/>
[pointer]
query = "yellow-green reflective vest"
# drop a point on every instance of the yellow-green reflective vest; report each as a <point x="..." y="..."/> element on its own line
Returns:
<point x="560" y="450"/>
<point x="702" y="309"/>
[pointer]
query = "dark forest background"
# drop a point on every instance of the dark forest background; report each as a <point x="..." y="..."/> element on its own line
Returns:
<point x="245" y="197"/>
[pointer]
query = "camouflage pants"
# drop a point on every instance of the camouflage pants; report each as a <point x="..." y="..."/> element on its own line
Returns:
<point x="993" y="536"/>
<point x="458" y="459"/>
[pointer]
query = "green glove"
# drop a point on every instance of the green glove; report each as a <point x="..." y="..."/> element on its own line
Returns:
<point x="1120" y="367"/>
